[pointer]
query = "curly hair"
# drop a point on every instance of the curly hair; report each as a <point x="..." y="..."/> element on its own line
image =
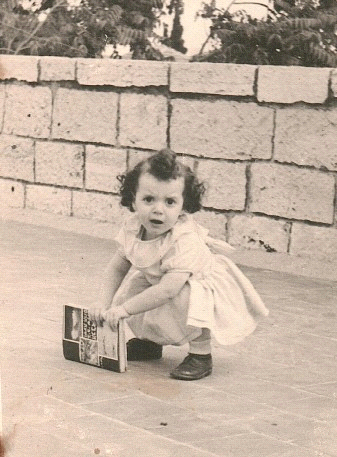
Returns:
<point x="164" y="166"/>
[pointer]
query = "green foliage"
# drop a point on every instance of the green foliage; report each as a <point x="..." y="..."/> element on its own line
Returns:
<point x="58" y="29"/>
<point x="296" y="33"/>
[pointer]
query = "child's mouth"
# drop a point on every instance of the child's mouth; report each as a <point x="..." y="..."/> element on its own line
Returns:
<point x="156" y="221"/>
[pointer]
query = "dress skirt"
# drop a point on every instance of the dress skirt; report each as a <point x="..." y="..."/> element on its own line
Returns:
<point x="223" y="300"/>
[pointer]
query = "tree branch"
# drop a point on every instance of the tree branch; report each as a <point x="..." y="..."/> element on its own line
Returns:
<point x="22" y="45"/>
<point x="204" y="44"/>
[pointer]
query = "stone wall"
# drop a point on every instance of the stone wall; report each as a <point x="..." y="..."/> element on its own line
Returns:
<point x="263" y="138"/>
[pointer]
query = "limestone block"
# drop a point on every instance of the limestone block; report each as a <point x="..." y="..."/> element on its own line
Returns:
<point x="57" y="68"/>
<point x="49" y="199"/>
<point x="102" y="166"/>
<point x="101" y="207"/>
<point x="122" y="73"/>
<point x="59" y="163"/>
<point x="317" y="242"/>
<point x="290" y="192"/>
<point x="307" y="137"/>
<point x="86" y="116"/>
<point x="187" y="161"/>
<point x="292" y="84"/>
<point x="12" y="194"/>
<point x="143" y="121"/>
<point x="253" y="232"/>
<point x="221" y="129"/>
<point x="136" y="157"/>
<point x="17" y="157"/>
<point x="212" y="78"/>
<point x="28" y="111"/>
<point x="215" y="222"/>
<point x="22" y="68"/>
<point x="225" y="182"/>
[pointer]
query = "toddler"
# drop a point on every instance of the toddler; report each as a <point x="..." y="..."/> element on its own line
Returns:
<point x="168" y="278"/>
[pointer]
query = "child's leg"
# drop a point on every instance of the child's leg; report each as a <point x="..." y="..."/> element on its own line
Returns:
<point x="202" y="344"/>
<point x="166" y="324"/>
<point x="198" y="363"/>
<point x="137" y="349"/>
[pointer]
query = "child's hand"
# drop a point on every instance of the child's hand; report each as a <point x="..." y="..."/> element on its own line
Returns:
<point x="114" y="314"/>
<point x="96" y="314"/>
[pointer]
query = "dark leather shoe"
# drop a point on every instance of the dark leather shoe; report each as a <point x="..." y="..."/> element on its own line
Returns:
<point x="193" y="367"/>
<point x="143" y="350"/>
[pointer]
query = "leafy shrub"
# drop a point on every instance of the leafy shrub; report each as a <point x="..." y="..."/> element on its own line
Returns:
<point x="295" y="33"/>
<point x="55" y="27"/>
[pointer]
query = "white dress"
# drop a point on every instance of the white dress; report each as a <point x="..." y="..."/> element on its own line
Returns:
<point x="217" y="295"/>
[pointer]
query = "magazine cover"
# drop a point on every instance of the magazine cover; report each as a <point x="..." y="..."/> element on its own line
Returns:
<point x="85" y="341"/>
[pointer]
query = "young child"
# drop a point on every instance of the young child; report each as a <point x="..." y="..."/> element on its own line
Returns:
<point x="165" y="278"/>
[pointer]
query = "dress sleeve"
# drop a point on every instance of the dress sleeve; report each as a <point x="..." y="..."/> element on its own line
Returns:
<point x="187" y="254"/>
<point x="126" y="235"/>
<point x="121" y="242"/>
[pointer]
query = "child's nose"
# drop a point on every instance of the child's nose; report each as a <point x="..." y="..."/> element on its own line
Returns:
<point x="158" y="208"/>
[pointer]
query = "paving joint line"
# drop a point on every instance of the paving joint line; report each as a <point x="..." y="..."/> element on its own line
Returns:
<point x="148" y="432"/>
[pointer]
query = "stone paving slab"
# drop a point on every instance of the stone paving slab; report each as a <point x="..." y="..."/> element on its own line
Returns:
<point x="272" y="395"/>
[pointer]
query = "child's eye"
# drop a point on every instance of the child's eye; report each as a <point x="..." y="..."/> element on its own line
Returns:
<point x="148" y="199"/>
<point x="170" y="201"/>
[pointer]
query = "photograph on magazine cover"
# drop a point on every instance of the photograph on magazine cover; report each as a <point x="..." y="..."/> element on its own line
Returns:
<point x="73" y="323"/>
<point x="168" y="228"/>
<point x="86" y="341"/>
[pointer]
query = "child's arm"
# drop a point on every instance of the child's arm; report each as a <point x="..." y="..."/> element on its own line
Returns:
<point x="113" y="276"/>
<point x="151" y="298"/>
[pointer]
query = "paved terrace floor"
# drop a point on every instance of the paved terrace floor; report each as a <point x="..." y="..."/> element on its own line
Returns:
<point x="273" y="395"/>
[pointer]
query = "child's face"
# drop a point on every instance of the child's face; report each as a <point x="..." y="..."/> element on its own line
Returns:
<point x="158" y="204"/>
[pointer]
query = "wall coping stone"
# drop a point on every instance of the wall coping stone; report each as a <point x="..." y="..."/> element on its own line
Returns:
<point x="122" y="73"/>
<point x="57" y="68"/>
<point x="22" y="68"/>
<point x="293" y="84"/>
<point x="213" y="78"/>
<point x="275" y="84"/>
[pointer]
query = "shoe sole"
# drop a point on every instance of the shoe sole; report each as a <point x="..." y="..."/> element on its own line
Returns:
<point x="191" y="378"/>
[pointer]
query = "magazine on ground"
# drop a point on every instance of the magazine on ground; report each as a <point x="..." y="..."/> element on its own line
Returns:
<point x="86" y="342"/>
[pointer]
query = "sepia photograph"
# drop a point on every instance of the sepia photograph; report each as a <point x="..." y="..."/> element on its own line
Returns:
<point x="168" y="228"/>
